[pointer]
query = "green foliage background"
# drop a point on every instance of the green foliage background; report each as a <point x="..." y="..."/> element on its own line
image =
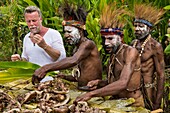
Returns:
<point x="13" y="26"/>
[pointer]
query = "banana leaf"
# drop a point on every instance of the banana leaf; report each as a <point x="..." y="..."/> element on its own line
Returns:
<point x="13" y="74"/>
<point x="10" y="71"/>
<point x="110" y="106"/>
<point x="167" y="49"/>
<point x="18" y="64"/>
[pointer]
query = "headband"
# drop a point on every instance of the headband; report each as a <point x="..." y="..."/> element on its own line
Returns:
<point x="105" y="31"/>
<point x="144" y="22"/>
<point x="74" y="23"/>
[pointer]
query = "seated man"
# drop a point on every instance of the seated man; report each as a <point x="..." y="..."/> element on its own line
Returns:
<point x="124" y="76"/>
<point x="86" y="56"/>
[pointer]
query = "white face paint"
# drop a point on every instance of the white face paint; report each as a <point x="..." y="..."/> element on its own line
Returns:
<point x="112" y="42"/>
<point x="71" y="34"/>
<point x="141" y="30"/>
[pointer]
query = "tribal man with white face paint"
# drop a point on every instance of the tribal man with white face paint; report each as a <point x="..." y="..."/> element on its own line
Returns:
<point x="151" y="53"/>
<point x="123" y="66"/>
<point x="112" y="42"/>
<point x="141" y="31"/>
<point x="86" y="58"/>
<point x="72" y="35"/>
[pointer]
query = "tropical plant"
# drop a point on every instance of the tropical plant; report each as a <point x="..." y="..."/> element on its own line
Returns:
<point x="11" y="31"/>
<point x="11" y="71"/>
<point x="52" y="19"/>
<point x="167" y="49"/>
<point x="14" y="70"/>
<point x="13" y="26"/>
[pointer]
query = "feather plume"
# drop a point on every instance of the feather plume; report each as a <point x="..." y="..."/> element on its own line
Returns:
<point x="148" y="12"/>
<point x="72" y="11"/>
<point x="113" y="17"/>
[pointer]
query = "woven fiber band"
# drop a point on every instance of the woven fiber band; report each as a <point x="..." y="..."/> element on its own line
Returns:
<point x="144" y="22"/>
<point x="74" y="23"/>
<point x="111" y="30"/>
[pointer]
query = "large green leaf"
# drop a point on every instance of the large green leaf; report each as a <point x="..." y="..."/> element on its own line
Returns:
<point x="11" y="71"/>
<point x="167" y="49"/>
<point x="18" y="64"/>
<point x="167" y="7"/>
<point x="13" y="74"/>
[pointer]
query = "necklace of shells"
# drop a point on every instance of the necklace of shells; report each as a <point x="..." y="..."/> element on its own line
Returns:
<point x="143" y="45"/>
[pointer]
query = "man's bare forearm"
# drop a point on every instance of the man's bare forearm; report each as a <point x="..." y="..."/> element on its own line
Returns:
<point x="53" y="53"/>
<point x="102" y="83"/>
<point x="110" y="89"/>
<point x="160" y="89"/>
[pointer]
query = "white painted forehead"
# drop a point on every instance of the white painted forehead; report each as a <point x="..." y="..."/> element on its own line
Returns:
<point x="70" y="28"/>
<point x="115" y="35"/>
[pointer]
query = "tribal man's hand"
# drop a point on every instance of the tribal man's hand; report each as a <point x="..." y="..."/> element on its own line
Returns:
<point x="35" y="79"/>
<point x="93" y="84"/>
<point x="84" y="97"/>
<point x="38" y="75"/>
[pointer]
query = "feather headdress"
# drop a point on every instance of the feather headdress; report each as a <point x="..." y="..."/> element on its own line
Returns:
<point x="147" y="14"/>
<point x="113" y="19"/>
<point x="74" y="14"/>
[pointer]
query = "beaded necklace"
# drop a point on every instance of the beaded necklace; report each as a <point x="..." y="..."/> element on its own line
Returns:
<point x="143" y="45"/>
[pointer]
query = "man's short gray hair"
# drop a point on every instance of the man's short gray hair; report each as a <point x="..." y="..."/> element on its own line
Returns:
<point x="31" y="9"/>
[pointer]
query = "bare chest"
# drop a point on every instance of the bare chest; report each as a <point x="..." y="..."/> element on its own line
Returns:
<point x="145" y="52"/>
<point x="144" y="48"/>
<point x="116" y="65"/>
